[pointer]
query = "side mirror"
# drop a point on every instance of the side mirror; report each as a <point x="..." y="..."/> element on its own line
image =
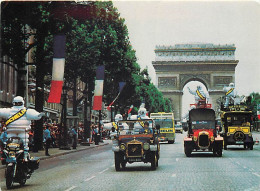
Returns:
<point x="157" y="127"/>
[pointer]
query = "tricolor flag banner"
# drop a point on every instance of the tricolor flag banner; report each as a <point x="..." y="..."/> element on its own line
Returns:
<point x="57" y="68"/>
<point x="98" y="93"/>
<point x="130" y="109"/>
<point x="121" y="86"/>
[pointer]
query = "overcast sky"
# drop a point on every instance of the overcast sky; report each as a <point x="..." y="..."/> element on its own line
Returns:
<point x="152" y="23"/>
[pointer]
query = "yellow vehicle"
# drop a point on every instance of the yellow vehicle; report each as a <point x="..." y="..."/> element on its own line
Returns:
<point x="236" y="123"/>
<point x="166" y="122"/>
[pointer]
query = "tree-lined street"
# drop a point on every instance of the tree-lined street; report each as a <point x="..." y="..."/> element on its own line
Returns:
<point x="93" y="169"/>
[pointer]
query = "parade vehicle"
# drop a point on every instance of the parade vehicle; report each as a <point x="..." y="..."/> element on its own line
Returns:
<point x="167" y="128"/>
<point x="136" y="141"/>
<point x="178" y="127"/>
<point x="236" y="126"/>
<point x="202" y="134"/>
<point x="17" y="168"/>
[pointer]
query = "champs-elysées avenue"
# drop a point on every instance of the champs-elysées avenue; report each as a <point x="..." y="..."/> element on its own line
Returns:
<point x="122" y="95"/>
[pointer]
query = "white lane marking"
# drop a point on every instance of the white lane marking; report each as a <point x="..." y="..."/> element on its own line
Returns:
<point x="71" y="188"/>
<point x="256" y="174"/>
<point x="103" y="171"/>
<point x="177" y="159"/>
<point x="88" y="179"/>
<point x="173" y="175"/>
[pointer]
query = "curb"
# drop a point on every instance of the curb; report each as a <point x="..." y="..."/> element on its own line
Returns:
<point x="65" y="153"/>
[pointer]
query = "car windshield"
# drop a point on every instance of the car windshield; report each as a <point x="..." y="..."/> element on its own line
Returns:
<point x="133" y="127"/>
<point x="238" y="119"/>
<point x="203" y="124"/>
<point x="164" y="123"/>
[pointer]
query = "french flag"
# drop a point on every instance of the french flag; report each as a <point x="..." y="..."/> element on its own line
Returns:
<point x="98" y="93"/>
<point x="57" y="68"/>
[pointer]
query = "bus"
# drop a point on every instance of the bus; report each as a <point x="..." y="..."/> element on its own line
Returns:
<point x="166" y="122"/>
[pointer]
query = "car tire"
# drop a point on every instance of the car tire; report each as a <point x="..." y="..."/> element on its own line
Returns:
<point x="153" y="161"/>
<point x="187" y="151"/>
<point x="251" y="146"/>
<point x="117" y="161"/>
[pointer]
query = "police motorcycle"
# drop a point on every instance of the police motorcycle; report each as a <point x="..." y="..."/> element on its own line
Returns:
<point x="18" y="169"/>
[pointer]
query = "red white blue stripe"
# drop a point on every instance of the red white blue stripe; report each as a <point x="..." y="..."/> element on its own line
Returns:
<point x="98" y="92"/>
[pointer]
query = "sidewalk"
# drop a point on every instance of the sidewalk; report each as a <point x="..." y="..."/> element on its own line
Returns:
<point x="54" y="152"/>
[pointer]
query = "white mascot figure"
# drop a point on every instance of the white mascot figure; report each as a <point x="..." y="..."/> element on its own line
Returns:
<point x="18" y="121"/>
<point x="109" y="126"/>
<point x="230" y="93"/>
<point x="142" y="114"/>
<point x="199" y="94"/>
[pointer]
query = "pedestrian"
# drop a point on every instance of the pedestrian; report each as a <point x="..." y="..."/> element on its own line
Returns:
<point x="74" y="137"/>
<point x="47" y="138"/>
<point x="3" y="137"/>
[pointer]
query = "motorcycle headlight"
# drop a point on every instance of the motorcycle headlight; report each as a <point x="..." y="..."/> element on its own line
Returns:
<point x="250" y="134"/>
<point x="122" y="147"/>
<point x="195" y="138"/>
<point x="146" y="146"/>
<point x="212" y="138"/>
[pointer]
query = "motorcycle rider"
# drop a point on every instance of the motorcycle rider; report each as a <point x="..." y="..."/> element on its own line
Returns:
<point x="18" y="121"/>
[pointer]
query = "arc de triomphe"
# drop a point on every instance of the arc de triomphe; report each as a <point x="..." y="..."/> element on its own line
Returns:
<point x="175" y="66"/>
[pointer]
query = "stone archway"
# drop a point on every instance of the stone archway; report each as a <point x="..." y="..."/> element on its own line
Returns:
<point x="175" y="66"/>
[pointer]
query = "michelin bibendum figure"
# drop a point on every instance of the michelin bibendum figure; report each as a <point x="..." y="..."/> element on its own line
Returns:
<point x="18" y="121"/>
<point x="230" y="93"/>
<point x="199" y="94"/>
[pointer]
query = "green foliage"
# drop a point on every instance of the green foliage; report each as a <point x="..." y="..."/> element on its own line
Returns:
<point x="252" y="101"/>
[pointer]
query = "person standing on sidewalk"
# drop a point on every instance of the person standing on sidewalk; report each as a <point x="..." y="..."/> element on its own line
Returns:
<point x="47" y="138"/>
<point x="74" y="137"/>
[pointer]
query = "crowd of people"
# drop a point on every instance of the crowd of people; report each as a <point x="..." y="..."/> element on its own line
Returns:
<point x="55" y="137"/>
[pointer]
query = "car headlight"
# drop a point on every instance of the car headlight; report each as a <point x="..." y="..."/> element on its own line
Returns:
<point x="122" y="147"/>
<point x="146" y="146"/>
<point x="195" y="138"/>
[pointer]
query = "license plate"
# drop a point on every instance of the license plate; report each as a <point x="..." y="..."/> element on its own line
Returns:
<point x="239" y="142"/>
<point x="135" y="160"/>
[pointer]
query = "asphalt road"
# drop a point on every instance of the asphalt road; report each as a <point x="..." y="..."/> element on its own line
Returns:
<point x="93" y="169"/>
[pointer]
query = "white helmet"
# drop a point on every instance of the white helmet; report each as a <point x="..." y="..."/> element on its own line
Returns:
<point x="231" y="84"/>
<point x="118" y="117"/>
<point x="18" y="101"/>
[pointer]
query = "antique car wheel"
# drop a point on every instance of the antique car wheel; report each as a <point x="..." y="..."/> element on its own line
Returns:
<point x="117" y="161"/>
<point x="251" y="146"/>
<point x="219" y="152"/>
<point x="123" y="164"/>
<point x="187" y="151"/>
<point x="154" y="161"/>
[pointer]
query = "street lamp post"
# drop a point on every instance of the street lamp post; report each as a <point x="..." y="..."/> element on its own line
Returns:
<point x="64" y="144"/>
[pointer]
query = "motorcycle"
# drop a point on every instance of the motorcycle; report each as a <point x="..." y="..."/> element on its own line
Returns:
<point x="17" y="168"/>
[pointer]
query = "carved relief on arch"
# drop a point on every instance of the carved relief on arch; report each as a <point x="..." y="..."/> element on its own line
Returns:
<point x="204" y="78"/>
<point x="167" y="82"/>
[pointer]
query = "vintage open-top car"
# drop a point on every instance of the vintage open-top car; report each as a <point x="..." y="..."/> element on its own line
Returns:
<point x="202" y="133"/>
<point x="136" y="141"/>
